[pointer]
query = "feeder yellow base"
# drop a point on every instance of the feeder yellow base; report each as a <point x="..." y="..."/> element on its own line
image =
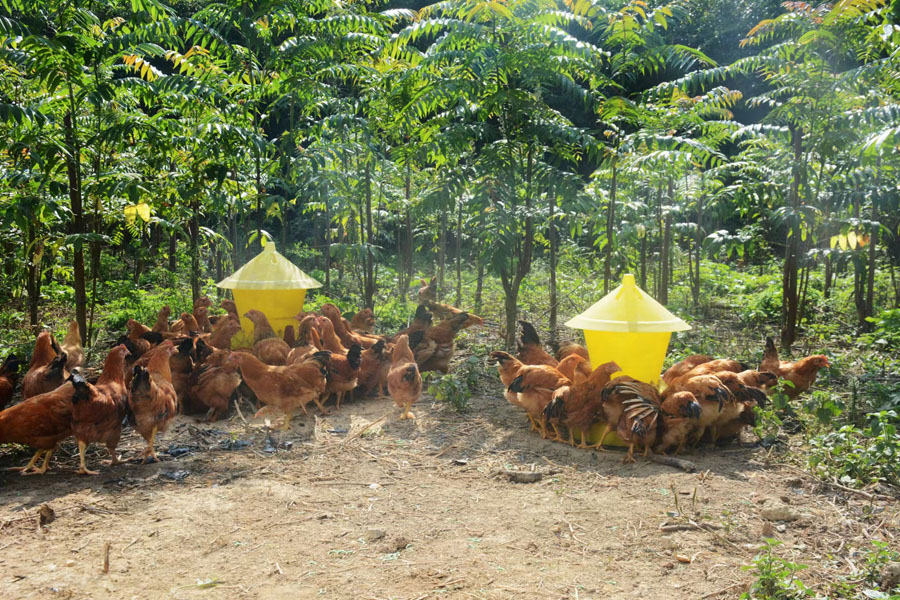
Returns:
<point x="640" y="355"/>
<point x="279" y="306"/>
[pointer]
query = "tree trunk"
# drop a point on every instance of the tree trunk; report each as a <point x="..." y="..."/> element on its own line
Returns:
<point x="511" y="308"/>
<point x="327" y="242"/>
<point x="459" y="223"/>
<point x="194" y="232"/>
<point x="32" y="259"/>
<point x="442" y="254"/>
<point x="220" y="270"/>
<point x="405" y="238"/>
<point x="173" y="255"/>
<point x="479" y="285"/>
<point x="873" y="244"/>
<point x="551" y="234"/>
<point x="610" y="230"/>
<point x="665" y="251"/>
<point x="73" y="169"/>
<point x="789" y="298"/>
<point x="664" y="261"/>
<point x="698" y="242"/>
<point x="369" y="283"/>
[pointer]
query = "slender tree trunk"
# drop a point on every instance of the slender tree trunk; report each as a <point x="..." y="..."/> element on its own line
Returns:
<point x="459" y="224"/>
<point x="194" y="233"/>
<point x="220" y="269"/>
<point x="442" y="254"/>
<point x="644" y="262"/>
<point x="665" y="260"/>
<point x="73" y="169"/>
<point x="405" y="237"/>
<point x="512" y="281"/>
<point x="551" y="234"/>
<point x="479" y="285"/>
<point x="829" y="274"/>
<point x="790" y="300"/>
<point x="665" y="251"/>
<point x="662" y="244"/>
<point x="873" y="244"/>
<point x="698" y="242"/>
<point x="327" y="242"/>
<point x="859" y="267"/>
<point x="610" y="229"/>
<point x="32" y="257"/>
<point x="173" y="254"/>
<point x="369" y="285"/>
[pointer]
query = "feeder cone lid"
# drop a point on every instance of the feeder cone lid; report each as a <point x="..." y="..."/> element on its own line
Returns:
<point x="628" y="308"/>
<point x="269" y="270"/>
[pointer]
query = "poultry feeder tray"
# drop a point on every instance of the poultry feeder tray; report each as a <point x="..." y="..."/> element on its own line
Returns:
<point x="271" y="284"/>
<point x="631" y="328"/>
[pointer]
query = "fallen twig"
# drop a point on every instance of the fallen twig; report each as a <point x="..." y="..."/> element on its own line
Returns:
<point x="670" y="461"/>
<point x="731" y="587"/>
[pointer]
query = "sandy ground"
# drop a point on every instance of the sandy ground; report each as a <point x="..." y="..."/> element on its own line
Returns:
<point x="413" y="510"/>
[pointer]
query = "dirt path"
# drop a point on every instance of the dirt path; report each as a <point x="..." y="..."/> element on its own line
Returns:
<point x="410" y="511"/>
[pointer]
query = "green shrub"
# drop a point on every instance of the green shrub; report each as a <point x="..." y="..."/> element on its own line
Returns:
<point x="857" y="457"/>
<point x="776" y="578"/>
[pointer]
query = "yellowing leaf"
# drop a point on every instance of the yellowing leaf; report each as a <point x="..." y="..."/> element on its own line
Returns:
<point x="834" y="241"/>
<point x="851" y="239"/>
<point x="134" y="211"/>
<point x="842" y="240"/>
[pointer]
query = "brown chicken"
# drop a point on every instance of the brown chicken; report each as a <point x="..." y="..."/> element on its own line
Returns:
<point x="730" y="430"/>
<point x="186" y="324"/>
<point x="162" y="320"/>
<point x="580" y="406"/>
<point x="308" y="340"/>
<point x="428" y="291"/>
<point x="680" y="414"/>
<point x="9" y="376"/>
<point x="617" y="397"/>
<point x="181" y="365"/>
<point x="531" y="352"/>
<point x="267" y="346"/>
<point x="445" y="311"/>
<point x="136" y="331"/>
<point x="435" y="350"/>
<point x="223" y="331"/>
<point x="71" y="345"/>
<point x="153" y="402"/>
<point x="343" y="374"/>
<point x="508" y="367"/>
<point x="639" y="423"/>
<point x="41" y="422"/>
<point x="342" y="329"/>
<point x="47" y="370"/>
<point x="201" y="313"/>
<point x="213" y="382"/>
<point x="363" y="321"/>
<point x="286" y="388"/>
<point x="575" y="367"/>
<point x="330" y="340"/>
<point x="534" y="386"/>
<point x="568" y="348"/>
<point x="375" y="363"/>
<point x="404" y="380"/>
<point x="422" y="320"/>
<point x="712" y="395"/>
<point x="719" y="365"/>
<point x="98" y="410"/>
<point x="802" y="373"/>
<point x="682" y="367"/>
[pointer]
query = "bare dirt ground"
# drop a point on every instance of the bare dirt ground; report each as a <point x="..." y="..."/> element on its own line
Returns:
<point x="413" y="510"/>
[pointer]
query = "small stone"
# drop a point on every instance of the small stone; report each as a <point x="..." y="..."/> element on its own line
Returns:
<point x="373" y="535"/>
<point x="768" y="530"/>
<point x="781" y="528"/>
<point x="70" y="563"/>
<point x="890" y="576"/>
<point x="779" y="512"/>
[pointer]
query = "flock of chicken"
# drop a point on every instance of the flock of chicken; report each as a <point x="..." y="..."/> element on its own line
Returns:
<point x="704" y="397"/>
<point x="189" y="366"/>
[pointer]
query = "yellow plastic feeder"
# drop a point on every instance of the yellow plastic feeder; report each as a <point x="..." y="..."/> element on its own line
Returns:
<point x="271" y="284"/>
<point x="631" y="328"/>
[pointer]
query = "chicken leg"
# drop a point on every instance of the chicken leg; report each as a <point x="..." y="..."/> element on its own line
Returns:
<point x="599" y="444"/>
<point x="82" y="467"/>
<point x="30" y="464"/>
<point x="44" y="465"/>
<point x="406" y="414"/>
<point x="149" y="452"/>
